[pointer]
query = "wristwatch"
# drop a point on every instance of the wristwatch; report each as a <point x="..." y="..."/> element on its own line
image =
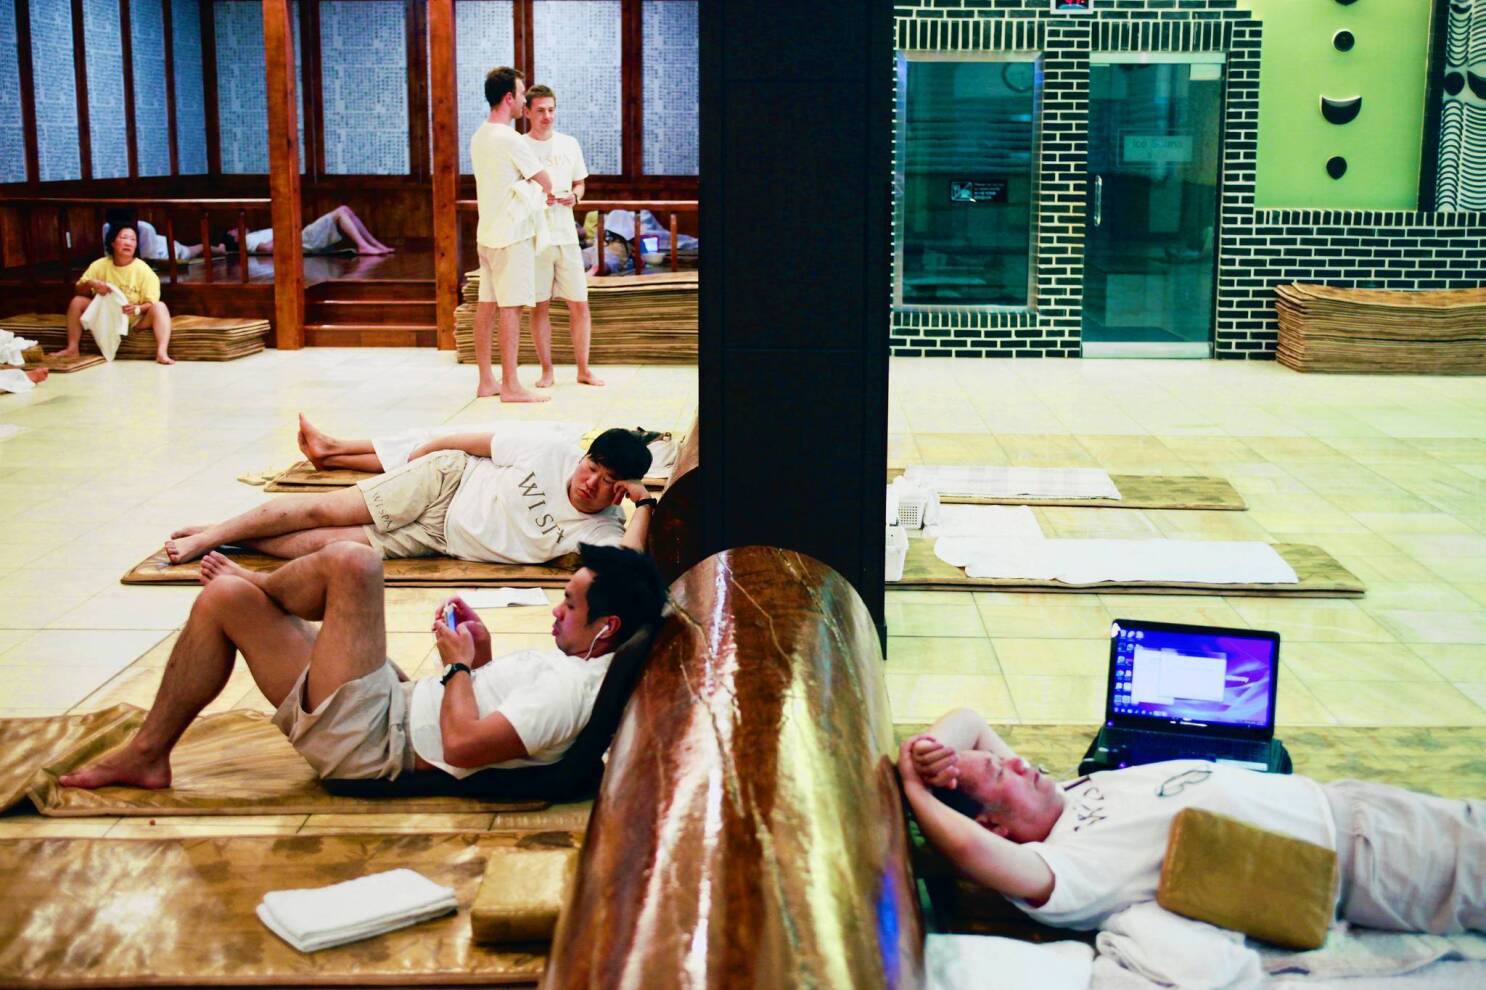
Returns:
<point x="451" y="669"/>
<point x="652" y="501"/>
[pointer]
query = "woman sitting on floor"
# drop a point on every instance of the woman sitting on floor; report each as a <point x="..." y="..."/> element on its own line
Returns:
<point x="141" y="286"/>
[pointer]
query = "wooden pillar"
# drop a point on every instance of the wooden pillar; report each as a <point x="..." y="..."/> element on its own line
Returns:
<point x="445" y="166"/>
<point x="283" y="176"/>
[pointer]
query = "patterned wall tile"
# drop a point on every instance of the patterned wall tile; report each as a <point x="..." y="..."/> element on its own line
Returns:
<point x="364" y="81"/>
<point x="55" y="89"/>
<point x="151" y="119"/>
<point x="12" y="133"/>
<point x="576" y="50"/>
<point x="242" y="107"/>
<point x="190" y="93"/>
<point x="483" y="39"/>
<point x="107" y="128"/>
<point x="670" y="87"/>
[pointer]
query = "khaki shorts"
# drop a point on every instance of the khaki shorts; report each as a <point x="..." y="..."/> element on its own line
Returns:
<point x="408" y="505"/>
<point x="559" y="274"/>
<point x="321" y="234"/>
<point x="360" y="732"/>
<point x="506" y="274"/>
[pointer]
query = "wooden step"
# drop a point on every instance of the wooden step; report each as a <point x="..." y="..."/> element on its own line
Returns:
<point x="412" y="289"/>
<point x="371" y="335"/>
<point x="372" y="312"/>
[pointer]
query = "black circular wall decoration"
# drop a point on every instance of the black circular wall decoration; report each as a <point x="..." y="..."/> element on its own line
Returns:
<point x="1346" y="3"/>
<point x="1336" y="167"/>
<point x="1343" y="41"/>
<point x="1476" y="83"/>
<point x="1341" y="111"/>
<point x="1454" y="83"/>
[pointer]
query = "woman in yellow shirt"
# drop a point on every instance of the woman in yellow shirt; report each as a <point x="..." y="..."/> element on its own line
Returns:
<point x="137" y="280"/>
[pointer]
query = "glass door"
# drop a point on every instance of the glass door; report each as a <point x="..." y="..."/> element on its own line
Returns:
<point x="1149" y="243"/>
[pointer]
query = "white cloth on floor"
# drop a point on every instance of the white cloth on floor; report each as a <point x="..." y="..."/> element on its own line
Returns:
<point x="106" y="321"/>
<point x="13" y="349"/>
<point x="503" y="597"/>
<point x="1363" y="952"/>
<point x="969" y="962"/>
<point x="1167" y="950"/>
<point x="318" y="918"/>
<point x="1094" y="561"/>
<point x="920" y="493"/>
<point x="985" y="481"/>
<point x="15" y="380"/>
<point x="995" y="522"/>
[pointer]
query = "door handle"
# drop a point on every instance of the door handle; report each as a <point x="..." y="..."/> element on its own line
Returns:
<point x="1098" y="200"/>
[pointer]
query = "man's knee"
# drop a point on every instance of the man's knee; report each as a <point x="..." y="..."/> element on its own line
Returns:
<point x="224" y="594"/>
<point x="351" y="561"/>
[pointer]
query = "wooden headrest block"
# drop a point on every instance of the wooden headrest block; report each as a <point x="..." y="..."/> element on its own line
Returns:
<point x="1231" y="874"/>
<point x="522" y="894"/>
<point x="675" y="538"/>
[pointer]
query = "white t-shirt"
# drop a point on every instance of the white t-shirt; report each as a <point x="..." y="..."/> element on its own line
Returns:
<point x="563" y="160"/>
<point x="546" y="695"/>
<point x="513" y="508"/>
<point x="1105" y="850"/>
<point x="501" y="157"/>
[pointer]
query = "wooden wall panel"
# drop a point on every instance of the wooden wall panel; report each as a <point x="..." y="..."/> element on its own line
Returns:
<point x="283" y="180"/>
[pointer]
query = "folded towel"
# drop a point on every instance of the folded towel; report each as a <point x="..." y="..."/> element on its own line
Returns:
<point x="319" y="918"/>
<point x="105" y="319"/>
<point x="969" y="962"/>
<point x="1093" y="561"/>
<point x="15" y="380"/>
<point x="995" y="522"/>
<point x="1169" y="950"/>
<point x="13" y="349"/>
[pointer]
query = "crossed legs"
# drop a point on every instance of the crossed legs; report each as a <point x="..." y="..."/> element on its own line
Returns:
<point x="287" y="526"/>
<point x="351" y="227"/>
<point x="263" y="616"/>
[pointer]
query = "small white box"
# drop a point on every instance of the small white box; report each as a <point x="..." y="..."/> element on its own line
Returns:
<point x="896" y="553"/>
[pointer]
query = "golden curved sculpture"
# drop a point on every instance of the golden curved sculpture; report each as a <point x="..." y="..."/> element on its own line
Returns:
<point x="749" y="831"/>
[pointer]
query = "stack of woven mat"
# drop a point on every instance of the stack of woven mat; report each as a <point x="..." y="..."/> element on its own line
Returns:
<point x="647" y="319"/>
<point x="192" y="338"/>
<point x="1323" y="328"/>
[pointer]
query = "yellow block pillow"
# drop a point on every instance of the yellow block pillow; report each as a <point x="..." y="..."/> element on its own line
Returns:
<point x="1219" y="870"/>
<point x="522" y="894"/>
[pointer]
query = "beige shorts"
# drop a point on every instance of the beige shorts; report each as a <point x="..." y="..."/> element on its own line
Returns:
<point x="360" y="732"/>
<point x="506" y="274"/>
<point x="321" y="234"/>
<point x="559" y="274"/>
<point x="408" y="505"/>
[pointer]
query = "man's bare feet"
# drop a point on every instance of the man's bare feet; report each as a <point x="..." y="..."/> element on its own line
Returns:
<point x="589" y="378"/>
<point x="126" y="768"/>
<point x="215" y="565"/>
<point x="515" y="393"/>
<point x="38" y="375"/>
<point x="183" y="550"/>
<point x="67" y="352"/>
<point x="547" y="380"/>
<point x="487" y="387"/>
<point x="185" y="531"/>
<point x="314" y="444"/>
<point x="163" y="358"/>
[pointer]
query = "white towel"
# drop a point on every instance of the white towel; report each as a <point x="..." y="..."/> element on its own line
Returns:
<point x="984" y="481"/>
<point x="1353" y="953"/>
<point x="1095" y="561"/>
<point x="321" y="917"/>
<point x="969" y="962"/>
<point x="526" y="197"/>
<point x="995" y="522"/>
<point x="105" y="319"/>
<point x="13" y="349"/>
<point x="1171" y="951"/>
<point x="15" y="380"/>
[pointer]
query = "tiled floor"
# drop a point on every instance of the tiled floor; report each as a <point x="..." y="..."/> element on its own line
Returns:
<point x="1388" y="474"/>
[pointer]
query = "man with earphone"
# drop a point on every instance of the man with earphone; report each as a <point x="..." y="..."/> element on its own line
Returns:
<point x="348" y="709"/>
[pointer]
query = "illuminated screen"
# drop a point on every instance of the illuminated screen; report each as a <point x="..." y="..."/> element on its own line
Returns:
<point x="1193" y="676"/>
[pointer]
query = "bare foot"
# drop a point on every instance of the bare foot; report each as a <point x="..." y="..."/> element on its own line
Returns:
<point x="487" y="387"/>
<point x="184" y="550"/>
<point x="546" y="381"/>
<point x="215" y="565"/>
<point x="185" y="531"/>
<point x="589" y="378"/>
<point x="163" y="358"/>
<point x="66" y="352"/>
<point x="38" y="375"/>
<point x="126" y="768"/>
<point x="515" y="393"/>
<point x="313" y="443"/>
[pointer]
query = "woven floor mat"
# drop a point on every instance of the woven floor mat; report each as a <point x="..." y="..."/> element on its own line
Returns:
<point x="192" y="338"/>
<point x="235" y="763"/>
<point x="302" y="477"/>
<point x="411" y="572"/>
<point x="1137" y="491"/>
<point x="62" y="365"/>
<point x="180" y="912"/>
<point x="1321" y="576"/>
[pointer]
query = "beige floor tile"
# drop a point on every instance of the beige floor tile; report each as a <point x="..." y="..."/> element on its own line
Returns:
<point x="113" y="649"/>
<point x="1475" y="590"/>
<point x="1313" y="623"/>
<point x="1454" y="661"/>
<point x="523" y="619"/>
<point x="1397" y="703"/>
<point x="1221" y="614"/>
<point x="1411" y="626"/>
<point x="1457" y="570"/>
<point x="1034" y="599"/>
<point x="138" y="607"/>
<point x="1059" y="699"/>
<point x="1053" y="657"/>
<point x="1432" y="596"/>
<point x="1187" y="525"/>
<point x="37" y="611"/>
<point x="135" y="686"/>
<point x="940" y="655"/>
<point x="1400" y="523"/>
<point x="1396" y="568"/>
<point x="1043" y="450"/>
<point x="920" y="698"/>
<point x="187" y="826"/>
<point x="1315" y="662"/>
<point x="1020" y="621"/>
<point x="1474" y="690"/>
<point x="959" y="448"/>
<point x="331" y="824"/>
<point x="1295" y="705"/>
<point x="32" y="826"/>
<point x="40" y="686"/>
<point x="960" y="619"/>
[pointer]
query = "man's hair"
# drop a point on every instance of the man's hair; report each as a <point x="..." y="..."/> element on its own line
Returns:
<point x="622" y="452"/>
<point x="500" y="81"/>
<point x="625" y="584"/>
<point x="538" y="91"/>
<point x="113" y="233"/>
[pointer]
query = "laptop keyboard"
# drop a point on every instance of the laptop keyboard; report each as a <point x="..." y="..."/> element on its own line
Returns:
<point x="1137" y="746"/>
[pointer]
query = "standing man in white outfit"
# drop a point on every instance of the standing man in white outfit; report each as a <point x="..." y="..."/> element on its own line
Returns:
<point x="505" y="236"/>
<point x="559" y="268"/>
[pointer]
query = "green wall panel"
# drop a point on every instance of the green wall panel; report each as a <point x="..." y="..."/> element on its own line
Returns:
<point x="1387" y="67"/>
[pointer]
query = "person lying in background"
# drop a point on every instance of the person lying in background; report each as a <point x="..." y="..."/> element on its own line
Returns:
<point x="324" y="235"/>
<point x="154" y="246"/>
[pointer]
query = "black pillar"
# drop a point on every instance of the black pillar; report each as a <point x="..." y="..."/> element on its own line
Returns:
<point x="796" y="118"/>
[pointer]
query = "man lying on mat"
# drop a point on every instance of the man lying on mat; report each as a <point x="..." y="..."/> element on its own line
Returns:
<point x="473" y="496"/>
<point x="347" y="708"/>
<point x="1073" y="854"/>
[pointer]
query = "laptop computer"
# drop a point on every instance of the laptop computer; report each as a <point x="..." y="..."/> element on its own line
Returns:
<point x="1189" y="692"/>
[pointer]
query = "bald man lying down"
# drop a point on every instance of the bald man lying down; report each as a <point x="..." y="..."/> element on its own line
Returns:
<point x="473" y="496"/>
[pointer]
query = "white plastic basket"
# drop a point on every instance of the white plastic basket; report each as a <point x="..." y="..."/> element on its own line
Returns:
<point x="911" y="510"/>
<point x="896" y="553"/>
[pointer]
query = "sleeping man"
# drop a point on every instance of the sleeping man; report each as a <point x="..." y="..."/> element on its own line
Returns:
<point x="1072" y="854"/>
<point x="348" y="709"/>
<point x="473" y="496"/>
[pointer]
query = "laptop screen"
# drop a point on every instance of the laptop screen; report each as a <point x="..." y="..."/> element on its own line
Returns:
<point x="1192" y="676"/>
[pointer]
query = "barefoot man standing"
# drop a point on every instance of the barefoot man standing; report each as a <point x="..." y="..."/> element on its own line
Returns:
<point x="506" y="234"/>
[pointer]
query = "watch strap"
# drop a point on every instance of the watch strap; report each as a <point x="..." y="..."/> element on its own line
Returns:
<point x="453" y="669"/>
<point x="652" y="501"/>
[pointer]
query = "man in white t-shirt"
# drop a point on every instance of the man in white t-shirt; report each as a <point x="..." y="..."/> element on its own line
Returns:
<point x="1073" y="854"/>
<point x="476" y="496"/>
<point x="559" y="270"/>
<point x="348" y="709"/>
<point x="505" y="237"/>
